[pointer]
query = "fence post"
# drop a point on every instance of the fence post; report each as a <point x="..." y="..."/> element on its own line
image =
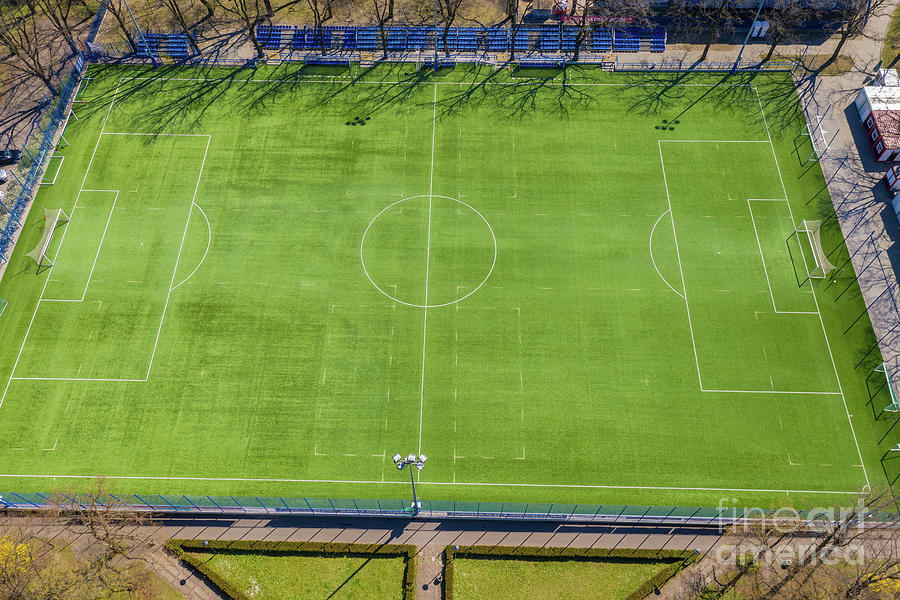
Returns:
<point x="241" y="506"/>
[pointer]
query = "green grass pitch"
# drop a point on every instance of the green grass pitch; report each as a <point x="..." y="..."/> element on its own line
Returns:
<point x="574" y="289"/>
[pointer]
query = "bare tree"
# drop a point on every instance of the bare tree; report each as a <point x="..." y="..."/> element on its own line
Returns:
<point x="250" y="13"/>
<point x="33" y="47"/>
<point x="513" y="8"/>
<point x="383" y="11"/>
<point x="59" y="14"/>
<point x="716" y="15"/>
<point x="851" y="553"/>
<point x="852" y="16"/>
<point x="322" y="11"/>
<point x="606" y="13"/>
<point x="106" y="543"/>
<point x="177" y="9"/>
<point x="119" y="11"/>
<point x="784" y="18"/>
<point x="448" y="10"/>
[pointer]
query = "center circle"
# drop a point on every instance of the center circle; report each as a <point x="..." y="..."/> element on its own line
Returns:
<point x="428" y="251"/>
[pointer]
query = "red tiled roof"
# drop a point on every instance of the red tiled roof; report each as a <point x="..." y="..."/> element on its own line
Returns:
<point x="888" y="123"/>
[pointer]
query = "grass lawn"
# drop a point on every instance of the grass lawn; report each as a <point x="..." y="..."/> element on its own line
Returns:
<point x="287" y="577"/>
<point x="487" y="579"/>
<point x="891" y="47"/>
<point x="585" y="288"/>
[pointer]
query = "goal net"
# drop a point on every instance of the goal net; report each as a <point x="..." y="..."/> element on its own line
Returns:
<point x="53" y="218"/>
<point x="894" y="406"/>
<point x="813" y="255"/>
<point x="3" y="304"/>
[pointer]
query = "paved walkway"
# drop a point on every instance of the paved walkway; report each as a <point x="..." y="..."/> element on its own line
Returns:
<point x="180" y="577"/>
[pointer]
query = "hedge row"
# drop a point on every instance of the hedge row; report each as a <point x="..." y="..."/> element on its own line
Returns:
<point x="678" y="560"/>
<point x="183" y="548"/>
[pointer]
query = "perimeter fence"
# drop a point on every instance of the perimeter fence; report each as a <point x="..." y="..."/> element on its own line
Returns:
<point x="39" y="147"/>
<point x="429" y="509"/>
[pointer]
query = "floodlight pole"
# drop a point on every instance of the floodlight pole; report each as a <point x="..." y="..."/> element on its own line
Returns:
<point x="412" y="479"/>
<point x="747" y="38"/>
<point x="410" y="461"/>
<point x="435" y="65"/>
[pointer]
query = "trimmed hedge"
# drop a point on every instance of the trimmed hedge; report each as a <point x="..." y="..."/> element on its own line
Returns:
<point x="182" y="549"/>
<point x="679" y="559"/>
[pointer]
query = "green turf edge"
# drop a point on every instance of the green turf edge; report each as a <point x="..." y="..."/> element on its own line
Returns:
<point x="678" y="559"/>
<point x="182" y="548"/>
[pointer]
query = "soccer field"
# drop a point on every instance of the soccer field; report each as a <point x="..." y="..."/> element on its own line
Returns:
<point x="581" y="289"/>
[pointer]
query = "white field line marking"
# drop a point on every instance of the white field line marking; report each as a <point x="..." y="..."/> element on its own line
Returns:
<point x="475" y="484"/>
<point x="680" y="268"/>
<point x="208" y="243"/>
<point x="99" y="247"/>
<point x="456" y="83"/>
<point x="653" y="260"/>
<point x="761" y="257"/>
<point x="178" y="258"/>
<point x="771" y="392"/>
<point x="714" y="141"/>
<point x="74" y="379"/>
<point x="157" y="134"/>
<point x="690" y="324"/>
<point x="61" y="240"/>
<point x="55" y="175"/>
<point x="815" y="299"/>
<point x="427" y="261"/>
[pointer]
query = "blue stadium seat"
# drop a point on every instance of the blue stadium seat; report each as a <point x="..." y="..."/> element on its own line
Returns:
<point x="348" y="41"/>
<point x="568" y="39"/>
<point x="498" y="39"/>
<point x="417" y="38"/>
<point x="298" y="40"/>
<point x="658" y="39"/>
<point x="396" y="39"/>
<point x="627" y="40"/>
<point x="549" y="39"/>
<point x="148" y="45"/>
<point x="177" y="46"/>
<point x="367" y="38"/>
<point x="522" y="41"/>
<point x="468" y="39"/>
<point x="452" y="39"/>
<point x="602" y="40"/>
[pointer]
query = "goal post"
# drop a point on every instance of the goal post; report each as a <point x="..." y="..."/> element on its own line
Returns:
<point x="813" y="256"/>
<point x="894" y="406"/>
<point x="53" y="218"/>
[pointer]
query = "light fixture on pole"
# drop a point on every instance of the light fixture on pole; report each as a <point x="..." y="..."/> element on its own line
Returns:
<point x="410" y="461"/>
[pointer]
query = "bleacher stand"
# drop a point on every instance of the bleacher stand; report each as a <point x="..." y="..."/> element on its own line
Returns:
<point x="498" y="39"/>
<point x="396" y="39"/>
<point x="175" y="45"/>
<point x="367" y="39"/>
<point x="568" y="39"/>
<point x="348" y="41"/>
<point x="522" y="41"/>
<point x="417" y="38"/>
<point x="627" y="40"/>
<point x="602" y="40"/>
<point x="658" y="39"/>
<point x="467" y="40"/>
<point x="549" y="39"/>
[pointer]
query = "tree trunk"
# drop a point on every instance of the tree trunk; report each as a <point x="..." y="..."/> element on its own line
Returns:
<point x="845" y="35"/>
<point x="709" y="41"/>
<point x="772" y="46"/>
<point x="117" y="15"/>
<point x="210" y="9"/>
